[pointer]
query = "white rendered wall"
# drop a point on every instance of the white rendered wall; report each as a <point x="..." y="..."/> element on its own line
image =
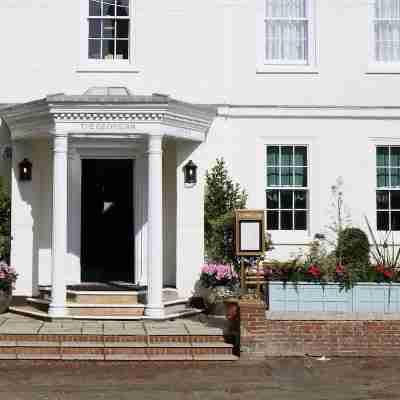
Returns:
<point x="178" y="54"/>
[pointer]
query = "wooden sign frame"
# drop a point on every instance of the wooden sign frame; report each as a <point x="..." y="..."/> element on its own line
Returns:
<point x="249" y="232"/>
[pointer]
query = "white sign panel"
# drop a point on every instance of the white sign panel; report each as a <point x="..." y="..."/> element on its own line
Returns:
<point x="249" y="236"/>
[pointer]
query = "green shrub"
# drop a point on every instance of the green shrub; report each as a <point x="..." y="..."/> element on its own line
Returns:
<point x="222" y="197"/>
<point x="353" y="247"/>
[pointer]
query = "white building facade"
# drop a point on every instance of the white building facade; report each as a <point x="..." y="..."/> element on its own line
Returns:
<point x="293" y="94"/>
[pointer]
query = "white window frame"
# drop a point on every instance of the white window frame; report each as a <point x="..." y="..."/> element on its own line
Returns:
<point x="385" y="188"/>
<point x="374" y="66"/>
<point x="100" y="65"/>
<point x="290" y="188"/>
<point x="286" y="66"/>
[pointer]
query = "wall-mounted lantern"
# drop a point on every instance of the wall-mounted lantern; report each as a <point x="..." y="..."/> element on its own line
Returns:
<point x="25" y="170"/>
<point x="190" y="171"/>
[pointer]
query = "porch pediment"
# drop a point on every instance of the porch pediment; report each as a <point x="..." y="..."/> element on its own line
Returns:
<point x="109" y="115"/>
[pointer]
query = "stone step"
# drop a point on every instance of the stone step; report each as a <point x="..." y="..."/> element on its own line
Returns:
<point x="173" y="308"/>
<point x="114" y="347"/>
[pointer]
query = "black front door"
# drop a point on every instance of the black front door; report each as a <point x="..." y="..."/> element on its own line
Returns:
<point x="107" y="245"/>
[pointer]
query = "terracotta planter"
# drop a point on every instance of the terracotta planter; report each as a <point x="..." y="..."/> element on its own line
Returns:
<point x="231" y="308"/>
<point x="5" y="300"/>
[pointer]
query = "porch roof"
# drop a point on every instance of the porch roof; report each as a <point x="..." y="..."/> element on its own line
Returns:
<point x="94" y="114"/>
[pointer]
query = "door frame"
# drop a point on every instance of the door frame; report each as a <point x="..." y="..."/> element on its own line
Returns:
<point x="104" y="149"/>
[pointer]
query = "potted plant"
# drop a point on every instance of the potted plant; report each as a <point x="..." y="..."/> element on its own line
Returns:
<point x="8" y="276"/>
<point x="221" y="282"/>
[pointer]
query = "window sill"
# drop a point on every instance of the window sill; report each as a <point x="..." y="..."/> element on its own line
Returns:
<point x="107" y="68"/>
<point x="286" y="69"/>
<point x="383" y="69"/>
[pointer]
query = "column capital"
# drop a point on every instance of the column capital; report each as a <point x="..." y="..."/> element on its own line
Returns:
<point x="60" y="143"/>
<point x="154" y="144"/>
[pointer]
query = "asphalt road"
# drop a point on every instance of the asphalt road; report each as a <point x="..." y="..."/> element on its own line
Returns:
<point x="277" y="379"/>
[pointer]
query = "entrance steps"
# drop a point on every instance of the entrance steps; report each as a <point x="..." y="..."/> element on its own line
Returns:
<point x="28" y="339"/>
<point x="105" y="304"/>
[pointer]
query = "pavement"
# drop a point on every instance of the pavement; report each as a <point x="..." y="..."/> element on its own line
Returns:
<point x="276" y="379"/>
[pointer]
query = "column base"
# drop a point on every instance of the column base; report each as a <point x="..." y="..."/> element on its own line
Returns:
<point x="154" y="311"/>
<point x="57" y="311"/>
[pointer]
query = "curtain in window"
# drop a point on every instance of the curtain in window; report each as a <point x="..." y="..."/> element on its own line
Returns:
<point x="387" y="30"/>
<point x="286" y="30"/>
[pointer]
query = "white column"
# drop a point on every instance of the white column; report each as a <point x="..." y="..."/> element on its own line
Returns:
<point x="154" y="307"/>
<point x="59" y="241"/>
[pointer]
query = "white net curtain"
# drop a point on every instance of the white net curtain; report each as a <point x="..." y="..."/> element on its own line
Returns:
<point x="286" y="25"/>
<point x="387" y="30"/>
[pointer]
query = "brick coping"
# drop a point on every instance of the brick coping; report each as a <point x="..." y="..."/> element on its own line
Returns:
<point x="330" y="316"/>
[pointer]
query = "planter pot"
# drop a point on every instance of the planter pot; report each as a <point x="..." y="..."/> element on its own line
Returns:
<point x="5" y="300"/>
<point x="214" y="299"/>
<point x="231" y="308"/>
<point x="305" y="296"/>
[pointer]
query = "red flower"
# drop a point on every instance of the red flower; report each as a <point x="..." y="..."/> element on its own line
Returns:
<point x="339" y="269"/>
<point x="380" y="268"/>
<point x="388" y="274"/>
<point x="314" y="270"/>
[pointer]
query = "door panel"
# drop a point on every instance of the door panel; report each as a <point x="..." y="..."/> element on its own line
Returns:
<point x="107" y="251"/>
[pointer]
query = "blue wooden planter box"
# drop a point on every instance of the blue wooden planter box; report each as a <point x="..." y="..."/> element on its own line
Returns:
<point x="305" y="296"/>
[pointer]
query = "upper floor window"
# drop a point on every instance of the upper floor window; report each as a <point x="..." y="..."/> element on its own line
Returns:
<point x="287" y="31"/>
<point x="287" y="187"/>
<point x="109" y="30"/>
<point x="388" y="188"/>
<point x="386" y="28"/>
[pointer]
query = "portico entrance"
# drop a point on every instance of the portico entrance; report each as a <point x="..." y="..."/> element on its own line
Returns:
<point x="107" y="234"/>
<point x="107" y="200"/>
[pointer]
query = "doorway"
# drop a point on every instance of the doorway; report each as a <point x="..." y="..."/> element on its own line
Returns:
<point x="107" y="238"/>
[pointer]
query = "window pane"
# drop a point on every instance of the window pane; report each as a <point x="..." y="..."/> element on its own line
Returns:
<point x="300" y="199"/>
<point x="109" y="8"/>
<point x="286" y="8"/>
<point x="287" y="155"/>
<point x="122" y="28"/>
<point x="387" y="8"/>
<point x="286" y="40"/>
<point x="273" y="220"/>
<point x="395" y="156"/>
<point x="95" y="28"/>
<point x="382" y="200"/>
<point x="108" y="28"/>
<point x="286" y="176"/>
<point x="382" y="220"/>
<point x="395" y="200"/>
<point x="108" y="49"/>
<point x="382" y="177"/>
<point x="286" y="199"/>
<point x="123" y="8"/>
<point x="122" y="52"/>
<point x="382" y="156"/>
<point x="272" y="199"/>
<point x="95" y="49"/>
<point x="272" y="176"/>
<point x="300" y="220"/>
<point x="287" y="220"/>
<point x="395" y="221"/>
<point x="300" y="177"/>
<point x="94" y="7"/>
<point x="272" y="155"/>
<point x="300" y="156"/>
<point x="395" y="177"/>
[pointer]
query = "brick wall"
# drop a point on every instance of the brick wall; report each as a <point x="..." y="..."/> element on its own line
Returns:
<point x="262" y="337"/>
